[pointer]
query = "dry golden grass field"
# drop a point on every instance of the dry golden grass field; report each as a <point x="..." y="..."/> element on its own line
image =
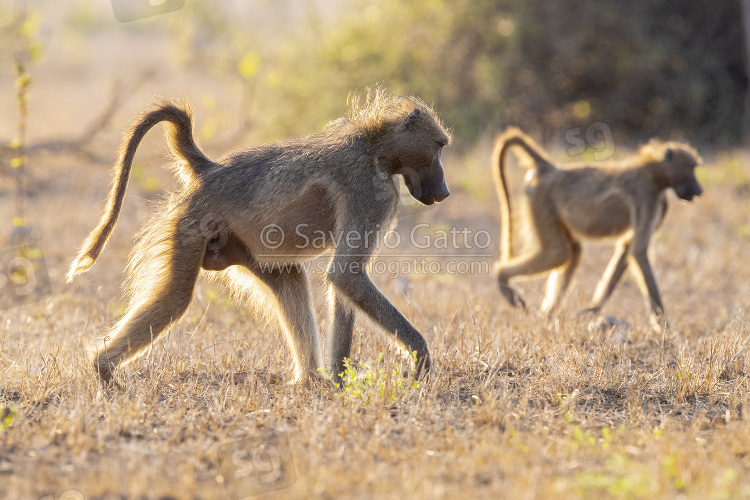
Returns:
<point x="519" y="405"/>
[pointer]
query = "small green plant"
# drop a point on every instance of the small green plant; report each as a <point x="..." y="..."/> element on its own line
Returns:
<point x="368" y="382"/>
<point x="673" y="471"/>
<point x="6" y="417"/>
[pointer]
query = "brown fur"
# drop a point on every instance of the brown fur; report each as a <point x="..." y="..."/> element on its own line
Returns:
<point x="626" y="200"/>
<point x="338" y="181"/>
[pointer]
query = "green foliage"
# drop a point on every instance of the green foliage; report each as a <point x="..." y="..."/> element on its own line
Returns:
<point x="376" y="381"/>
<point x="18" y="161"/>
<point x="139" y="176"/>
<point x="657" y="68"/>
<point x="672" y="470"/>
<point x="7" y="416"/>
<point x="23" y="83"/>
<point x="445" y="52"/>
<point x="618" y="470"/>
<point x="648" y="69"/>
<point x="18" y="35"/>
<point x="19" y="27"/>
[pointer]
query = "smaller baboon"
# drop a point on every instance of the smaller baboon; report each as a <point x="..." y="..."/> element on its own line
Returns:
<point x="625" y="200"/>
<point x="251" y="215"/>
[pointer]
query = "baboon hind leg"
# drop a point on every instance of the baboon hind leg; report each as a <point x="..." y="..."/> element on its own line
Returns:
<point x="291" y="289"/>
<point x="556" y="248"/>
<point x="559" y="281"/>
<point x="172" y="279"/>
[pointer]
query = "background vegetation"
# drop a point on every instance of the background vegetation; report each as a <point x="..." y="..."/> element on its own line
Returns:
<point x="651" y="68"/>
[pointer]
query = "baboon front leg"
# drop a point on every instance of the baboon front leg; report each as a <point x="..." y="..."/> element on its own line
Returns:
<point x="147" y="318"/>
<point x="512" y="295"/>
<point x="642" y="227"/>
<point x="362" y="292"/>
<point x="559" y="281"/>
<point x="339" y="341"/>
<point x="611" y="277"/>
<point x="650" y="290"/>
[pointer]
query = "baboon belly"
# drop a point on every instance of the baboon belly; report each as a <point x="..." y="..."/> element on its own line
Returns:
<point x="607" y="216"/>
<point x="303" y="228"/>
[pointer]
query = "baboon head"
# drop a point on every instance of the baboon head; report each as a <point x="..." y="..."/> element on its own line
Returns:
<point x="420" y="141"/>
<point x="681" y="165"/>
<point x="676" y="166"/>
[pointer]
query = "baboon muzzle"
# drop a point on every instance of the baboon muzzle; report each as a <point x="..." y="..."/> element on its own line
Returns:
<point x="688" y="191"/>
<point x="434" y="188"/>
<point x="436" y="197"/>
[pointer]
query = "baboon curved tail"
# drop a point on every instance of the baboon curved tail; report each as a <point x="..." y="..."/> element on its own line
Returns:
<point x="512" y="137"/>
<point x="180" y="138"/>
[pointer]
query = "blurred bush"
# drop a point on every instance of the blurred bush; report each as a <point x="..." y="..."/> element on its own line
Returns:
<point x="656" y="68"/>
<point x="668" y="68"/>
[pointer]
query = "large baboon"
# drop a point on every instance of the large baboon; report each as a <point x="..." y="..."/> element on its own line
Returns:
<point x="252" y="214"/>
<point x="625" y="200"/>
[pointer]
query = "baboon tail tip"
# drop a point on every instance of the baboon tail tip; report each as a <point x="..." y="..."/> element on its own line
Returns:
<point x="80" y="265"/>
<point x="509" y="133"/>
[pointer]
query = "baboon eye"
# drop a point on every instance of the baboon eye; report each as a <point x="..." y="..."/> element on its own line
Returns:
<point x="668" y="154"/>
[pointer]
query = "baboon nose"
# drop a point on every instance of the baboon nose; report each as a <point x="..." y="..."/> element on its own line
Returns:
<point x="434" y="198"/>
<point x="436" y="194"/>
<point x="442" y="195"/>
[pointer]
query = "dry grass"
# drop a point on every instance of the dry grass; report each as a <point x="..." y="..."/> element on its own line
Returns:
<point x="519" y="406"/>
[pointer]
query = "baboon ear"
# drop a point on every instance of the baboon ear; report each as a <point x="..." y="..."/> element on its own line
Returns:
<point x="668" y="154"/>
<point x="411" y="121"/>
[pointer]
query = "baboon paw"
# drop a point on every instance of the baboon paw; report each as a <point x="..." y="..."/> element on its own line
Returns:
<point x="317" y="381"/>
<point x="589" y="311"/>
<point x="548" y="309"/>
<point x="105" y="373"/>
<point x="660" y="324"/>
<point x="425" y="376"/>
<point x="108" y="381"/>
<point x="424" y="368"/>
<point x="521" y="302"/>
<point x="512" y="296"/>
